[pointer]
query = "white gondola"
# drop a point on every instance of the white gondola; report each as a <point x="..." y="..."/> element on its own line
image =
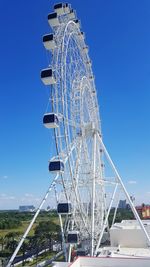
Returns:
<point x="73" y="237"/>
<point x="72" y="14"/>
<point x="61" y="8"/>
<point x="50" y="120"/>
<point x="56" y="166"/>
<point x="47" y="76"/>
<point x="49" y="42"/>
<point x="53" y="19"/>
<point x="64" y="208"/>
<point x="85" y="49"/>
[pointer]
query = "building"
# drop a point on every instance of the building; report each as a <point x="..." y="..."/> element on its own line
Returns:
<point x="122" y="204"/>
<point x="105" y="261"/>
<point x="26" y="208"/>
<point x="129" y="234"/>
<point x="144" y="211"/>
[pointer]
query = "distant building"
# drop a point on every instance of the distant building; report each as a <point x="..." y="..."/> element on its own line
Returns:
<point x="146" y="212"/>
<point x="26" y="208"/>
<point x="139" y="210"/>
<point x="143" y="211"/>
<point x="122" y="204"/>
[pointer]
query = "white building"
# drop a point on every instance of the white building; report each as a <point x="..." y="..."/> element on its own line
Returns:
<point x="105" y="262"/>
<point x="129" y="234"/>
<point x="29" y="208"/>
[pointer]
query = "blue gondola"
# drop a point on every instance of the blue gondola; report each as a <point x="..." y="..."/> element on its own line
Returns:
<point x="81" y="35"/>
<point x="53" y="20"/>
<point x="49" y="42"/>
<point x="85" y="49"/>
<point x="61" y="8"/>
<point x="77" y="22"/>
<point x="73" y="237"/>
<point x="72" y="14"/>
<point x="56" y="166"/>
<point x="91" y="77"/>
<point x="47" y="76"/>
<point x="64" y="208"/>
<point x="89" y="62"/>
<point x="50" y="120"/>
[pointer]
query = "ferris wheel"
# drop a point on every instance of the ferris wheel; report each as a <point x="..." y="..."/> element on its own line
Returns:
<point x="80" y="179"/>
<point x="74" y="115"/>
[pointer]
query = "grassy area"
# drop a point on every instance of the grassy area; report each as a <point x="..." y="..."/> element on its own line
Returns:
<point x="25" y="224"/>
<point x="20" y="229"/>
<point x="50" y="220"/>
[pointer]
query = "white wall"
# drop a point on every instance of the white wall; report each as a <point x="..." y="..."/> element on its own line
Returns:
<point x="127" y="238"/>
<point x="110" y="262"/>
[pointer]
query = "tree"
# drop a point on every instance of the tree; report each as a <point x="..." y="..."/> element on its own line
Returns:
<point x="47" y="227"/>
<point x="2" y="242"/>
<point x="12" y="240"/>
<point x="45" y="233"/>
<point x="24" y="248"/>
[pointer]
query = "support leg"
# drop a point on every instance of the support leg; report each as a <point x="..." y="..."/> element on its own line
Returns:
<point x="125" y="191"/>
<point x="93" y="197"/>
<point x="31" y="223"/>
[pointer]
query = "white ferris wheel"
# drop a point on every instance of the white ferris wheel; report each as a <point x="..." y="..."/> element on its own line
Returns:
<point x="75" y="118"/>
<point x="78" y="170"/>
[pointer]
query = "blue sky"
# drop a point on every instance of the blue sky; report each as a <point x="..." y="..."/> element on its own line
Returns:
<point x="118" y="34"/>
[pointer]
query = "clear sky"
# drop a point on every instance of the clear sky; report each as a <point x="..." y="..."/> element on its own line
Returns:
<point x="118" y="34"/>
